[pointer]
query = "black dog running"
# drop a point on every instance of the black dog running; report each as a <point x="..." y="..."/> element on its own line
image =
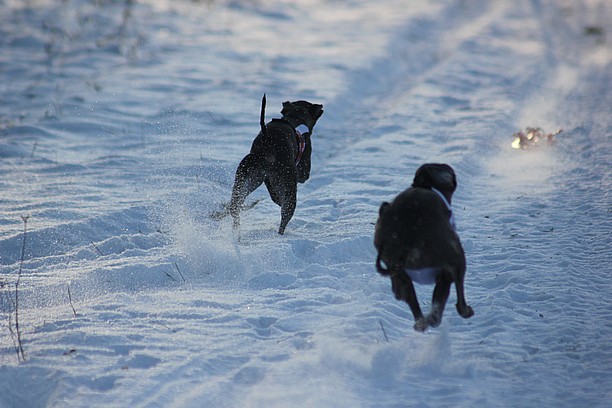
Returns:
<point x="279" y="157"/>
<point x="416" y="241"/>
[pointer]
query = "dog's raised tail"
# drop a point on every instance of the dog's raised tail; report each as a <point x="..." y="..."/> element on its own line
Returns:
<point x="262" y="118"/>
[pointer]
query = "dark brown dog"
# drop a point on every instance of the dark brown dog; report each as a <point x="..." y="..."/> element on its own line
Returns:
<point x="279" y="157"/>
<point x="416" y="241"/>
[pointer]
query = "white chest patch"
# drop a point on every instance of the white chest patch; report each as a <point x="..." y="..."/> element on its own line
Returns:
<point x="447" y="204"/>
<point x="424" y="276"/>
<point x="302" y="129"/>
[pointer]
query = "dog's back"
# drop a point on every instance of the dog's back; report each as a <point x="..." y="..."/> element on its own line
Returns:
<point x="275" y="145"/>
<point x="415" y="231"/>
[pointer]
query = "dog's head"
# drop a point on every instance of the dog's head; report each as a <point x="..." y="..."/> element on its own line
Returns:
<point x="439" y="176"/>
<point x="303" y="112"/>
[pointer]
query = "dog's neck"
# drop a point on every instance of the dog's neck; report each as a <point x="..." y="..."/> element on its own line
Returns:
<point x="451" y="219"/>
<point x="296" y="124"/>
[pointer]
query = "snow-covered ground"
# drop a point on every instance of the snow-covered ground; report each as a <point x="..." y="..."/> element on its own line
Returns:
<point x="121" y="126"/>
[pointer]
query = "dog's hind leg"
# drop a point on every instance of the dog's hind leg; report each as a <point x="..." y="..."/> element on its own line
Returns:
<point x="438" y="301"/>
<point x="274" y="195"/>
<point x="288" y="207"/>
<point x="403" y="289"/>
<point x="463" y="308"/>
<point x="249" y="176"/>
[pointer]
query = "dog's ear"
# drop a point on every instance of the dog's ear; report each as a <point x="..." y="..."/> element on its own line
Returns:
<point x="316" y="111"/>
<point x="440" y="176"/>
<point x="383" y="208"/>
<point x="287" y="107"/>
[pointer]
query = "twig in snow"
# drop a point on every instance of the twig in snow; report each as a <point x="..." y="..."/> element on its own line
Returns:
<point x="166" y="327"/>
<point x="13" y="335"/>
<point x="97" y="249"/>
<point x="383" y="330"/>
<point x="170" y="276"/>
<point x="20" y="352"/>
<point x="10" y="306"/>
<point x="34" y="149"/>
<point x="179" y="271"/>
<point x="70" y="300"/>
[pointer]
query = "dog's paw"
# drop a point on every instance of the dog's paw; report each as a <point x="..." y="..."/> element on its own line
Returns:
<point x="420" y="325"/>
<point x="465" y="311"/>
<point x="434" y="319"/>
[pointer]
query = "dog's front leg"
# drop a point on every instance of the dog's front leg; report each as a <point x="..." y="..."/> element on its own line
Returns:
<point x="403" y="289"/>
<point x="303" y="168"/>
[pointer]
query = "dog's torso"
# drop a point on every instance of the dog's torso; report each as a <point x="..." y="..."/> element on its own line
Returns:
<point x="428" y="275"/>
<point x="416" y="232"/>
<point x="284" y="147"/>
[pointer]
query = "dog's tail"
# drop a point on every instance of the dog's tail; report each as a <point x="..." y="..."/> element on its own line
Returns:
<point x="262" y="117"/>
<point x="381" y="269"/>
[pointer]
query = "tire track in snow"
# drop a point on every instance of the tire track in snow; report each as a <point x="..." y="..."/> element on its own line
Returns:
<point x="424" y="68"/>
<point x="424" y="43"/>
